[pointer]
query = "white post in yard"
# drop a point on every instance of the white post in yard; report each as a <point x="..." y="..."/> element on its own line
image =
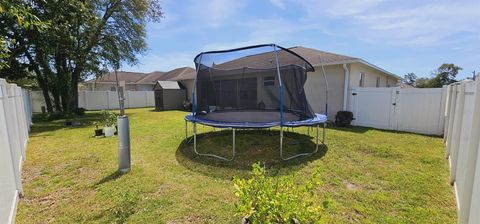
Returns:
<point x="123" y="133"/>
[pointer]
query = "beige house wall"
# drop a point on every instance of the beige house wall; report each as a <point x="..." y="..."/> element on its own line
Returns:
<point x="189" y="86"/>
<point x="315" y="89"/>
<point x="370" y="79"/>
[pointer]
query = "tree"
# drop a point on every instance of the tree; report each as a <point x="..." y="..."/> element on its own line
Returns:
<point x="409" y="78"/>
<point x="86" y="37"/>
<point x="444" y="75"/>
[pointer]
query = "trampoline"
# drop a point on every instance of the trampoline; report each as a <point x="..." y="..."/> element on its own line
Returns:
<point x="253" y="87"/>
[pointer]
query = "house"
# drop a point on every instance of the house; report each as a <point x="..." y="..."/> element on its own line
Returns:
<point x="134" y="81"/>
<point x="342" y="73"/>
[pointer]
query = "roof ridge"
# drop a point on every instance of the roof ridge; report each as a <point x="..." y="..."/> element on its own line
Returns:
<point x="327" y="52"/>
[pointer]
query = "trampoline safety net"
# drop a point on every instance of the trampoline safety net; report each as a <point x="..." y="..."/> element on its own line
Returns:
<point x="255" y="84"/>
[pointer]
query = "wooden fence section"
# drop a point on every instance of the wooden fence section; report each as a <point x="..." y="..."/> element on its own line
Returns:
<point x="102" y="100"/>
<point x="462" y="135"/>
<point x="15" y="121"/>
<point x="410" y="109"/>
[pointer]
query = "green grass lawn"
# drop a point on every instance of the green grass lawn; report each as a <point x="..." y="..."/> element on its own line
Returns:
<point x="368" y="175"/>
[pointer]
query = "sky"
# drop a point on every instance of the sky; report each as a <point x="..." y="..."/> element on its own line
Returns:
<point x="400" y="36"/>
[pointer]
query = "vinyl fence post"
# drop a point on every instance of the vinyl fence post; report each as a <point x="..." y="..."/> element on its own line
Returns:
<point x="448" y="99"/>
<point x="471" y="163"/>
<point x="457" y="129"/>
<point x="451" y="118"/>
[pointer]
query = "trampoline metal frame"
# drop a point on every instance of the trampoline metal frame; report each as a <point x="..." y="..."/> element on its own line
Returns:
<point x="194" y="129"/>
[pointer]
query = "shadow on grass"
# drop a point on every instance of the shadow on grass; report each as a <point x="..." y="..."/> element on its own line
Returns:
<point x="353" y="129"/>
<point x="113" y="176"/>
<point x="42" y="124"/>
<point x="251" y="146"/>
<point x="362" y="129"/>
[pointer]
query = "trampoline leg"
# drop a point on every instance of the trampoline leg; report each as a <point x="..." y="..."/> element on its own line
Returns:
<point x="233" y="143"/>
<point x="211" y="155"/>
<point x="194" y="126"/>
<point x="186" y="133"/>
<point x="281" y="142"/>
<point x="300" y="154"/>
<point x="323" y="133"/>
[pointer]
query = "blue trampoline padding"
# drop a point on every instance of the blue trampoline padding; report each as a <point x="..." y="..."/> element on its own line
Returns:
<point x="318" y="119"/>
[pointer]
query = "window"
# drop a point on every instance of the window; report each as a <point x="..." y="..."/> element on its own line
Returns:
<point x="378" y="82"/>
<point x="113" y="88"/>
<point x="269" y="81"/>
<point x="361" y="81"/>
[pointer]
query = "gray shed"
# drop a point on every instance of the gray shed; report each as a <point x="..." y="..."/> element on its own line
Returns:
<point x="169" y="95"/>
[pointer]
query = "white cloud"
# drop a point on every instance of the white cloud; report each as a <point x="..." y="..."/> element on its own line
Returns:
<point x="214" y="13"/>
<point x="337" y="8"/>
<point x="423" y="25"/>
<point x="278" y="3"/>
<point x="399" y="23"/>
<point x="264" y="31"/>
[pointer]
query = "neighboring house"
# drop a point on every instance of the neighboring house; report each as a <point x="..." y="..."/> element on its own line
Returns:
<point x="134" y="81"/>
<point x="343" y="73"/>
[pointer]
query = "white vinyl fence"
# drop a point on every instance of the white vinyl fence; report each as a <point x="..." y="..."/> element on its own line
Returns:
<point x="462" y="135"/>
<point x="101" y="100"/>
<point x="15" y="121"/>
<point x="402" y="109"/>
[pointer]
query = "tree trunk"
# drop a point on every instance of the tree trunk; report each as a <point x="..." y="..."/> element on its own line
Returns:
<point x="73" y="101"/>
<point x="42" y="83"/>
<point x="46" y="96"/>
<point x="56" y="99"/>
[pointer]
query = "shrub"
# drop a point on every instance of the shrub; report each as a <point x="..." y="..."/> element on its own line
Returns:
<point x="343" y="118"/>
<point x="79" y="111"/>
<point x="266" y="199"/>
<point x="56" y="116"/>
<point x="109" y="118"/>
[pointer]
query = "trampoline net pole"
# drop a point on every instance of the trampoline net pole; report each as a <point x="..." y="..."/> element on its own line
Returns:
<point x="280" y="84"/>
<point x="194" y="95"/>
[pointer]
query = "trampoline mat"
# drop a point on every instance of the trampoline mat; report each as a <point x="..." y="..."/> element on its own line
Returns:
<point x="253" y="119"/>
<point x="248" y="116"/>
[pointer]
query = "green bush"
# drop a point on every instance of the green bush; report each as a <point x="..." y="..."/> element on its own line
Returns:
<point x="266" y="199"/>
<point x="109" y="118"/>
<point x="79" y="111"/>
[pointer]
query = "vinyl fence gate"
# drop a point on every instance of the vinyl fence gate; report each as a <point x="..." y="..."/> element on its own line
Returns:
<point x="409" y="109"/>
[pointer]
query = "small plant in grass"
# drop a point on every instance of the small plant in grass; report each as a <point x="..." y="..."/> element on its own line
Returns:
<point x="98" y="131"/>
<point x="109" y="120"/>
<point x="266" y="199"/>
